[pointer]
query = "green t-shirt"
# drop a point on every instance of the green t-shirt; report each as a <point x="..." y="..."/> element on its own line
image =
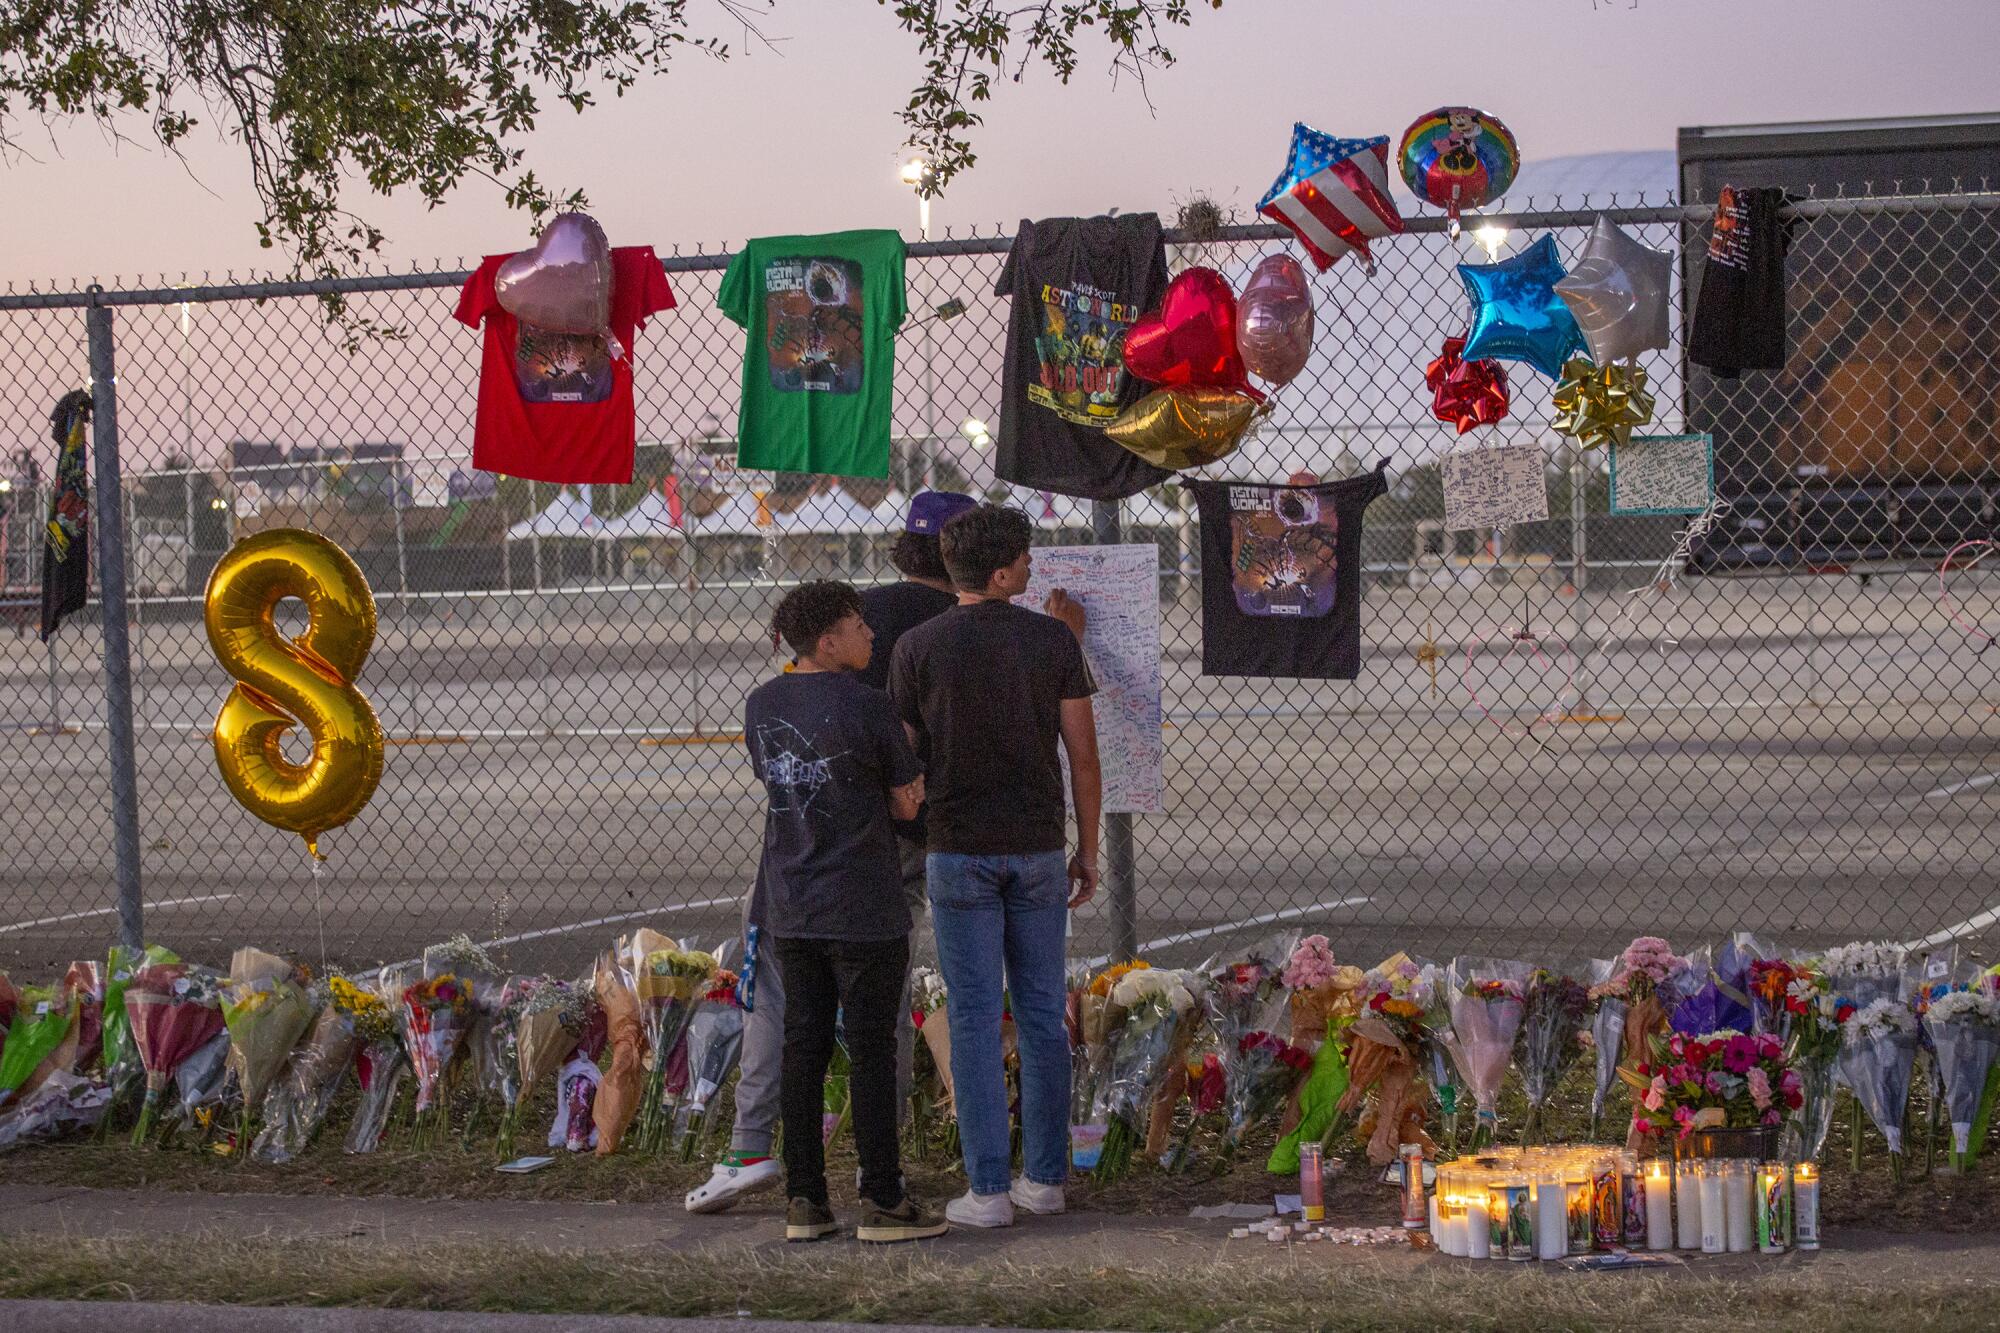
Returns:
<point x="821" y="313"/>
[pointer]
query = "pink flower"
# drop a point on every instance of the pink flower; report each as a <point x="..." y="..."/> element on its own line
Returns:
<point x="1769" y="1047"/>
<point x="1739" y="1055"/>
<point x="1788" y="1082"/>
<point x="1684" y="1117"/>
<point x="1656" y="1094"/>
<point x="1311" y="964"/>
<point x="1771" y="1117"/>
<point x="1760" y="1089"/>
<point x="1643" y="1125"/>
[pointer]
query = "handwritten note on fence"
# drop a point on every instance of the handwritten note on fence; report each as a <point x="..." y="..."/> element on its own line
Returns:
<point x="1119" y="587"/>
<point x="1663" y="474"/>
<point x="1494" y="488"/>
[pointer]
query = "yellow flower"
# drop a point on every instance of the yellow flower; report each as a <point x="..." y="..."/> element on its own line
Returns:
<point x="1108" y="978"/>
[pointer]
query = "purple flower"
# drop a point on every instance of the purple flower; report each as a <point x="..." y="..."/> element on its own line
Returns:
<point x="1739" y="1055"/>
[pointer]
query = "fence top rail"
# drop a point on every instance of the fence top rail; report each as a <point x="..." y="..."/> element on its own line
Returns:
<point x="196" y="294"/>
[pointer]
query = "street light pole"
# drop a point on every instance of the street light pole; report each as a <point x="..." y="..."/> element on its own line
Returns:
<point x="917" y="175"/>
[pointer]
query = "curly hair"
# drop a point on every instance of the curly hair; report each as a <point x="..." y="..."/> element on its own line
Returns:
<point x="981" y="541"/>
<point x="916" y="554"/>
<point x="810" y="610"/>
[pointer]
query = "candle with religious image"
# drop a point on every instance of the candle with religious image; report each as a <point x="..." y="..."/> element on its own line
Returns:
<point x="1519" y="1212"/>
<point x="1774" y="1208"/>
<point x="1632" y="1200"/>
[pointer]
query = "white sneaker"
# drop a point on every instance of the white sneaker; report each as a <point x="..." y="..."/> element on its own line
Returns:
<point x="728" y="1182"/>
<point x="980" y="1210"/>
<point x="1034" y="1197"/>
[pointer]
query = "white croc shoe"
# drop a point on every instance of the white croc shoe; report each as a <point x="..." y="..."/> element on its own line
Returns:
<point x="727" y="1182"/>
<point x="1033" y="1197"/>
<point x="980" y="1210"/>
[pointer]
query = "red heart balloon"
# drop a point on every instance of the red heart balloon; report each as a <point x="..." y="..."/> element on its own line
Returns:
<point x="1191" y="343"/>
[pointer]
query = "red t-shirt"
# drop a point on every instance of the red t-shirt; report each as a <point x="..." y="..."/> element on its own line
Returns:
<point x="556" y="406"/>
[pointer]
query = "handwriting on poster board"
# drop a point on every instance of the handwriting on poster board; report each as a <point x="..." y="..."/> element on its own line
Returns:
<point x="1119" y="587"/>
<point x="1494" y="488"/>
<point x="1663" y="474"/>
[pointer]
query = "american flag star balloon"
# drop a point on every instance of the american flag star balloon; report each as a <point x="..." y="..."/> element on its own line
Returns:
<point x="1334" y="195"/>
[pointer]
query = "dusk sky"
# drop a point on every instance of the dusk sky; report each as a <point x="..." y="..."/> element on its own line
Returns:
<point x="805" y="138"/>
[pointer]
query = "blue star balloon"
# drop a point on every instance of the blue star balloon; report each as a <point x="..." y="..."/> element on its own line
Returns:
<point x="1517" y="314"/>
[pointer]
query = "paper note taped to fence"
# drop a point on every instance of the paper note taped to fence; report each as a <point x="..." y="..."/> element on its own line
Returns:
<point x="1494" y="488"/>
<point x="1119" y="587"/>
<point x="1663" y="474"/>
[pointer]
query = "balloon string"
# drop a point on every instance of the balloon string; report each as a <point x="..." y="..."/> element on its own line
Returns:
<point x="319" y="912"/>
<point x="1667" y="576"/>
<point x="1950" y="604"/>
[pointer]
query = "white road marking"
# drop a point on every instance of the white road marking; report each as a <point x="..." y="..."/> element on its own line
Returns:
<point x="1268" y="918"/>
<point x="1970" y="926"/>
<point x="1970" y="784"/>
<point x="594" y="921"/>
<point x="110" y="911"/>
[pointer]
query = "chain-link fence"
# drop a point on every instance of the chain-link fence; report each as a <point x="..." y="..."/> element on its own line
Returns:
<point x="1794" y="739"/>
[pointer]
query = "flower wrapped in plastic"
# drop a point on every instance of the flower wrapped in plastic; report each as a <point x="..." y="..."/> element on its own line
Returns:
<point x="122" y="1066"/>
<point x="1865" y="972"/>
<point x="1249" y="1003"/>
<point x="10" y="999"/>
<point x="1259" y="1080"/>
<point x="265" y="1008"/>
<point x="1770" y="987"/>
<point x="43" y="1021"/>
<point x="297" y="1104"/>
<point x="64" y="1104"/>
<point x="83" y="985"/>
<point x="1090" y="1058"/>
<point x="175" y="1011"/>
<point x="1634" y="1000"/>
<point x="714" y="1045"/>
<point x="436" y="1016"/>
<point x="553" y="1016"/>
<point x="1487" y="1003"/>
<point x="1964" y="1027"/>
<point x="670" y="983"/>
<point x="1713" y="1080"/>
<point x="1326" y="999"/>
<point x="1147" y="1031"/>
<point x="1555" y="1009"/>
<point x="1814" y="1024"/>
<point x="380" y="1061"/>
<point x="1384" y="1045"/>
<point x="613" y="1098"/>
<point x="496" y="1047"/>
<point x="1878" y="1053"/>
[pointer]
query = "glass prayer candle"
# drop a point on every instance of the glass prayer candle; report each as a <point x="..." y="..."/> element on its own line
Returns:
<point x="1774" y="1210"/>
<point x="1710" y="1175"/>
<point x="1739" y="1217"/>
<point x="1659" y="1205"/>
<point x="1478" y="1225"/>
<point x="1805" y="1205"/>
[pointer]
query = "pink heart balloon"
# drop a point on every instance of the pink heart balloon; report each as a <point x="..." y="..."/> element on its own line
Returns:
<point x="1274" y="320"/>
<point x="563" y="284"/>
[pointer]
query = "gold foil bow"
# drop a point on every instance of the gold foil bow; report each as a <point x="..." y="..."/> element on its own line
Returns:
<point x="1601" y="405"/>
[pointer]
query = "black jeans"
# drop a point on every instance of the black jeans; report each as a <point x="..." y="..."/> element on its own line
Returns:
<point x="861" y="985"/>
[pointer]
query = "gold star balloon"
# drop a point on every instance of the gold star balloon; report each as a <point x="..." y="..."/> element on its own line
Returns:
<point x="1600" y="405"/>
<point x="1183" y="428"/>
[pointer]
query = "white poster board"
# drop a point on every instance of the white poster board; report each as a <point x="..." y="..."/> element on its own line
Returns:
<point x="1494" y="488"/>
<point x="1663" y="474"/>
<point x="1119" y="587"/>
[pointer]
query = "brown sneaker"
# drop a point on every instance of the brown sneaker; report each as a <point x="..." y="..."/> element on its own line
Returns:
<point x="806" y="1220"/>
<point x="906" y="1221"/>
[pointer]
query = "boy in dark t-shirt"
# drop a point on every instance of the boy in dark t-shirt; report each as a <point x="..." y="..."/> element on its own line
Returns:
<point x="836" y="768"/>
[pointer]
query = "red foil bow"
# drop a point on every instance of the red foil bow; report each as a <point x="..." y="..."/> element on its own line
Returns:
<point x="1466" y="393"/>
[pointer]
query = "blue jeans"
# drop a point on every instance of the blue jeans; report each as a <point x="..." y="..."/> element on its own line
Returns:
<point x="1000" y="923"/>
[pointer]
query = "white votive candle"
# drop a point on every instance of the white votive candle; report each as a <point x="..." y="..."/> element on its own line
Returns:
<point x="1739" y="1208"/>
<point x="1713" y="1206"/>
<point x="1551" y="1218"/>
<point x="1478" y="1227"/>
<point x="1659" y="1206"/>
<point x="1687" y="1202"/>
<point x="1805" y="1205"/>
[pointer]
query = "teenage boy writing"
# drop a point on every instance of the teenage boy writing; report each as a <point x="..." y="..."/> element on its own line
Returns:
<point x="836" y="767"/>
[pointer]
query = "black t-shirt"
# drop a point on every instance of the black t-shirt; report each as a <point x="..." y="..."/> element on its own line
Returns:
<point x="1078" y="284"/>
<point x="891" y="611"/>
<point x="1739" y="318"/>
<point x="1281" y="577"/>
<point x="827" y="749"/>
<point x="984" y="686"/>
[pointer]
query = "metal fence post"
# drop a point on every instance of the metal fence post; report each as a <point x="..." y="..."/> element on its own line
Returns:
<point x="1120" y="879"/>
<point x="110" y="521"/>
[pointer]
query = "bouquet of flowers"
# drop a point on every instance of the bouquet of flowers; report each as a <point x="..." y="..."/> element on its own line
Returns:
<point x="203" y="1086"/>
<point x="122" y="1068"/>
<point x="175" y="1010"/>
<point x="298" y="1102"/>
<point x="1554" y="1010"/>
<point x="1878" y="1053"/>
<point x="1326" y="999"/>
<point x="1964" y="1026"/>
<point x="1248" y="1002"/>
<point x="63" y="1104"/>
<point x="1633" y="1003"/>
<point x="1384" y="1045"/>
<point x="1866" y="972"/>
<point x="436" y="1013"/>
<point x="42" y="1023"/>
<point x="1770" y="994"/>
<point x="496" y="1048"/>
<point x="83" y="983"/>
<point x="553" y="1016"/>
<point x="380" y="1061"/>
<point x="1713" y="1080"/>
<point x="714" y="1044"/>
<point x="1090" y="1058"/>
<point x="671" y="983"/>
<point x="265" y="1009"/>
<point x="1814" y="1022"/>
<point x="1260" y="1078"/>
<point x="612" y="1099"/>
<point x="1487" y="1004"/>
<point x="10" y="1000"/>
<point x="1147" y="1025"/>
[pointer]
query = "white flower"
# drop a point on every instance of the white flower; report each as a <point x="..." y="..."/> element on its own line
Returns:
<point x="1154" y="984"/>
<point x="1866" y="959"/>
<point x="1881" y="1019"/>
<point x="1969" y="1006"/>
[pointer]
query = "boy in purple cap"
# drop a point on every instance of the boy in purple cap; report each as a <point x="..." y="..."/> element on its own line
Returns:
<point x="924" y="591"/>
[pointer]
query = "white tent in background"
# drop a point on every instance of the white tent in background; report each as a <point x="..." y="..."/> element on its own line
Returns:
<point x="735" y="517"/>
<point x="651" y="518"/>
<point x="893" y="512"/>
<point x="568" y="515"/>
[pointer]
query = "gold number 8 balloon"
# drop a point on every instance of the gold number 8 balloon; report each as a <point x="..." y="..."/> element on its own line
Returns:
<point x="282" y="683"/>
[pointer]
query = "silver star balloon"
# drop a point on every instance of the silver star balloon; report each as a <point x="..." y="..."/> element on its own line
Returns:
<point x="1618" y="293"/>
